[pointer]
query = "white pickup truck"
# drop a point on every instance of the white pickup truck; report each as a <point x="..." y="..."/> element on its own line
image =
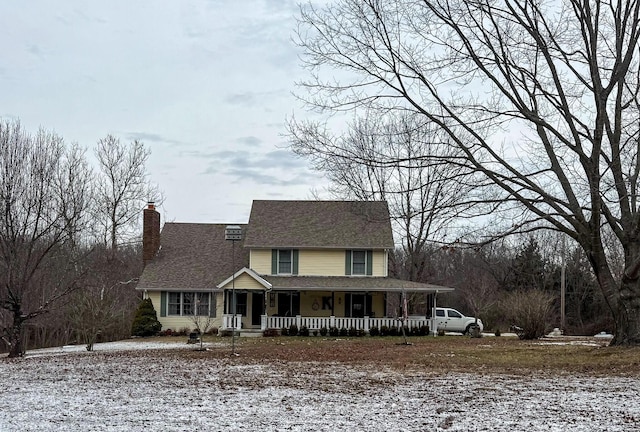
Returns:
<point x="451" y="320"/>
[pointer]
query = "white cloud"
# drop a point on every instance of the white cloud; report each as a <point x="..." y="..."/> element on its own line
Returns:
<point x="195" y="81"/>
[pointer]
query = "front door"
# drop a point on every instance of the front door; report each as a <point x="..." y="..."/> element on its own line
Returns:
<point x="257" y="308"/>
<point x="357" y="305"/>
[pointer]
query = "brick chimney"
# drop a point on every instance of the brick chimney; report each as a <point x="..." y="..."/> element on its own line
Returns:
<point x="150" y="233"/>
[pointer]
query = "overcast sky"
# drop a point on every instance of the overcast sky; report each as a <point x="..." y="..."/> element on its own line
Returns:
<point x="206" y="85"/>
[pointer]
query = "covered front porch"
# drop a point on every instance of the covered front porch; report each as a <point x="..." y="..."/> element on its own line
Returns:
<point x="314" y="309"/>
<point x="259" y="302"/>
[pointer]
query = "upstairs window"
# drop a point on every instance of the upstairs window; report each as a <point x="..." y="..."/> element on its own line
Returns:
<point x="359" y="262"/>
<point x="284" y="261"/>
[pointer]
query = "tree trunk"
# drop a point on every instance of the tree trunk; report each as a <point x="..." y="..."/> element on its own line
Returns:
<point x="627" y="314"/>
<point x="15" y="337"/>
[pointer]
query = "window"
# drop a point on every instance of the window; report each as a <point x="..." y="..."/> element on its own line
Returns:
<point x="186" y="303"/>
<point x="440" y="312"/>
<point x="188" y="299"/>
<point x="174" y="303"/>
<point x="202" y="303"/>
<point x="454" y="314"/>
<point x="288" y="304"/>
<point x="359" y="262"/>
<point x="241" y="303"/>
<point x="284" y="261"/>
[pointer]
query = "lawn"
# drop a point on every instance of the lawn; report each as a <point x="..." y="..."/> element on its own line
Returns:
<point x="448" y="354"/>
<point x="325" y="384"/>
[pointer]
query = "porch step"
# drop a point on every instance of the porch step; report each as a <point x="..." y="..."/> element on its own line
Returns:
<point x="250" y="333"/>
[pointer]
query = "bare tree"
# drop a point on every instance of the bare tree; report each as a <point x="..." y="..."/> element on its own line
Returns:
<point x="541" y="98"/>
<point x="399" y="158"/>
<point x="43" y="196"/>
<point x="201" y="316"/>
<point x="107" y="302"/>
<point x="104" y="307"/>
<point x="122" y="188"/>
<point x="529" y="311"/>
<point x="92" y="311"/>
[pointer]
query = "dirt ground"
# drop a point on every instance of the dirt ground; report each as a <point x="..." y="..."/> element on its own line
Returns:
<point x="324" y="384"/>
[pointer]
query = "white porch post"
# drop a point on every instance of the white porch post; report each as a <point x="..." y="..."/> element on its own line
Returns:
<point x="433" y="328"/>
<point x="263" y="322"/>
<point x="298" y="321"/>
<point x="366" y="324"/>
<point x="332" y="321"/>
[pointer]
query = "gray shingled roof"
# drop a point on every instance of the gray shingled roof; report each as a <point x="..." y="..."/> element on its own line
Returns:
<point x="319" y="224"/>
<point x="193" y="257"/>
<point x="346" y="283"/>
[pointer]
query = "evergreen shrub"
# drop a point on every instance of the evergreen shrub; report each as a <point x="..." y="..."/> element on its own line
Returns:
<point x="293" y="330"/>
<point x="145" y="323"/>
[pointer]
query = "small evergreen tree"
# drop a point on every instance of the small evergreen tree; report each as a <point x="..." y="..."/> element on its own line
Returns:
<point x="145" y="323"/>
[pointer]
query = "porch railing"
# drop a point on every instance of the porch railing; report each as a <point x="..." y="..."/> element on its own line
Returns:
<point x="316" y="323"/>
<point x="227" y="322"/>
<point x="366" y="323"/>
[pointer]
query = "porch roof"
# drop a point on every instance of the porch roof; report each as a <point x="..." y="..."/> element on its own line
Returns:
<point x="347" y="283"/>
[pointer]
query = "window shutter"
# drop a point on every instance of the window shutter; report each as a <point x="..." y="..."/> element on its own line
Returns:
<point x="347" y="262"/>
<point x="294" y="258"/>
<point x="369" y="262"/>
<point x="163" y="303"/>
<point x="274" y="261"/>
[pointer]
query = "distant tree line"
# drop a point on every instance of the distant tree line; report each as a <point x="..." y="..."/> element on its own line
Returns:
<point x="69" y="249"/>
<point x="487" y="278"/>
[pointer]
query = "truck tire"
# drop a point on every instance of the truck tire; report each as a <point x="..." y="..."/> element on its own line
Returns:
<point x="467" y="331"/>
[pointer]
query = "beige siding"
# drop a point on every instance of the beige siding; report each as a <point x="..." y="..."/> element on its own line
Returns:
<point x="260" y="261"/>
<point x="318" y="262"/>
<point x="377" y="304"/>
<point x="321" y="263"/>
<point x="177" y="323"/>
<point x="380" y="263"/>
<point x="244" y="281"/>
<point x="332" y="262"/>
<point x="311" y="303"/>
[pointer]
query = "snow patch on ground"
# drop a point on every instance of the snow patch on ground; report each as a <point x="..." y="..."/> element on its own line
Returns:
<point x="136" y="386"/>
<point x="125" y="345"/>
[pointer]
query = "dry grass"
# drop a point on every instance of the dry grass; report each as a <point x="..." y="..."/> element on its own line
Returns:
<point x="450" y="353"/>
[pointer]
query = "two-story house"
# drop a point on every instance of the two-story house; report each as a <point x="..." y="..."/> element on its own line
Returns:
<point x="312" y="263"/>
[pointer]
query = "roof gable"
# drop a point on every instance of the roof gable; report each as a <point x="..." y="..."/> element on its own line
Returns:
<point x="252" y="274"/>
<point x="319" y="224"/>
